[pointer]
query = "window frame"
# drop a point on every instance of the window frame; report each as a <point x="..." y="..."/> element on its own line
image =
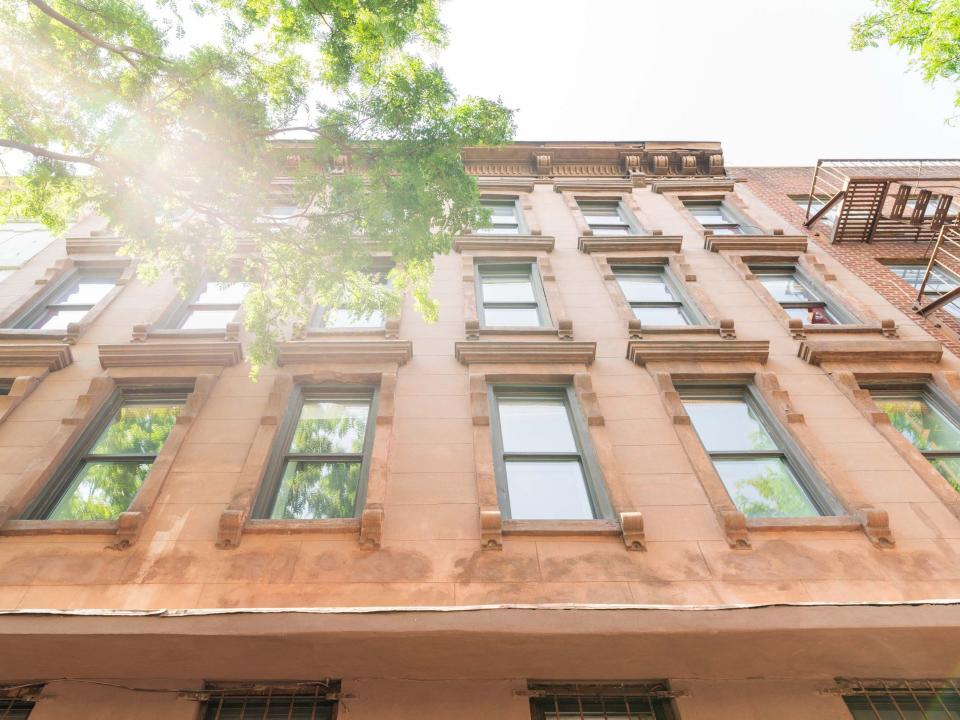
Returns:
<point x="272" y="477"/>
<point x="45" y="501"/>
<point x="735" y="223"/>
<point x="688" y="308"/>
<point x="315" y="325"/>
<point x="218" y="693"/>
<point x="178" y="314"/>
<point x="658" y="700"/>
<point x="825" y="299"/>
<point x="811" y="484"/>
<point x="628" y="221"/>
<point x="861" y="695"/>
<point x="593" y="476"/>
<point x="514" y="201"/>
<point x="937" y="267"/>
<point x="536" y="282"/>
<point x="39" y="306"/>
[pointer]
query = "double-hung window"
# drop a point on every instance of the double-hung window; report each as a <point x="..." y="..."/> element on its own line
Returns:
<point x="212" y="307"/>
<point x="545" y="467"/>
<point x="504" y="217"/>
<point x="15" y="709"/>
<point x="653" y="296"/>
<point x="304" y="701"/>
<point x="599" y="702"/>
<point x="902" y="699"/>
<point x="941" y="281"/>
<point x="713" y="215"/>
<point x="763" y="474"/>
<point x="798" y="297"/>
<point x="320" y="468"/>
<point x="511" y="295"/>
<point x="342" y="318"/>
<point x="115" y="457"/>
<point x="607" y="217"/>
<point x="929" y="421"/>
<point x="70" y="301"/>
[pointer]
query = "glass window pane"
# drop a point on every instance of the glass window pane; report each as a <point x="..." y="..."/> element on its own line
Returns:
<point x="511" y="317"/>
<point x="785" y="287"/>
<point x="328" y="427"/>
<point x="216" y="293"/>
<point x="137" y="430"/>
<point x="644" y="287"/>
<point x="547" y="490"/>
<point x="59" y="319"/>
<point x="727" y="425"/>
<point x="85" y="291"/>
<point x="500" y="211"/>
<point x="539" y="425"/>
<point x="280" y="708"/>
<point x="208" y="319"/>
<point x="317" y="490"/>
<point x="710" y="213"/>
<point x="101" y="491"/>
<point x="21" y="241"/>
<point x="507" y="288"/>
<point x="340" y="318"/>
<point x="764" y="487"/>
<point x="811" y="315"/>
<point x="608" y="230"/>
<point x="949" y="467"/>
<point x="726" y="230"/>
<point x="920" y="422"/>
<point x="660" y="316"/>
<point x="610" y="708"/>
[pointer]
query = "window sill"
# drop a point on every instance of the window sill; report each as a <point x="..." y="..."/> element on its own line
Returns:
<point x="351" y="332"/>
<point x="491" y="330"/>
<point x="59" y="527"/>
<point x="823" y="523"/>
<point x="291" y="527"/>
<point x="602" y="528"/>
<point x="69" y="334"/>
<point x="718" y="243"/>
<point x="886" y="327"/>
<point x="725" y="330"/>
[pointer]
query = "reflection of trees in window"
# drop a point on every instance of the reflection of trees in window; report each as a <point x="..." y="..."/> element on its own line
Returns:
<point x="772" y="493"/>
<point x="111" y="473"/>
<point x="929" y="430"/>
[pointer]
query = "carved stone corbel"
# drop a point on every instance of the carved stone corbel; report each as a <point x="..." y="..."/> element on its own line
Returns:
<point x="876" y="526"/>
<point x="140" y="331"/>
<point x="688" y="165"/>
<point x="632" y="164"/>
<point x="491" y="529"/>
<point x="735" y="528"/>
<point x="727" y="331"/>
<point x="230" y="528"/>
<point x="565" y="329"/>
<point x="661" y="164"/>
<point x="391" y="328"/>
<point x="631" y="525"/>
<point x="371" y="526"/>
<point x="232" y="332"/>
<point x="716" y="164"/>
<point x="129" y="525"/>
<point x="472" y="329"/>
<point x="543" y="165"/>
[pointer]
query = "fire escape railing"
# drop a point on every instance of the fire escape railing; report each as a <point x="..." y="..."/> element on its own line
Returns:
<point x="946" y="246"/>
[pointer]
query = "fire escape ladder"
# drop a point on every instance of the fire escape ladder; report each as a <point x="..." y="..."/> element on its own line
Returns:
<point x="825" y="209"/>
<point x="860" y="210"/>
<point x="947" y="246"/>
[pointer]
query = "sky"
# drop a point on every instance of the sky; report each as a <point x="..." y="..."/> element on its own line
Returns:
<point x="774" y="80"/>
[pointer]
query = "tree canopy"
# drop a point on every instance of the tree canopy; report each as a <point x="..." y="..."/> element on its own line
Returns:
<point x="174" y="120"/>
<point x="929" y="30"/>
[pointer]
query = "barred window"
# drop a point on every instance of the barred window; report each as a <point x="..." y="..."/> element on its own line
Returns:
<point x="602" y="702"/>
<point x="14" y="709"/>
<point x="902" y="699"/>
<point x="308" y="701"/>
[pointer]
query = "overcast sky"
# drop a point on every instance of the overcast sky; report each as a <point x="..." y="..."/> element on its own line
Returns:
<point x="774" y="80"/>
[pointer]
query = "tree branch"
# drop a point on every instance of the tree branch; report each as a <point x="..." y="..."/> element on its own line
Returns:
<point x="50" y="154"/>
<point x="120" y="50"/>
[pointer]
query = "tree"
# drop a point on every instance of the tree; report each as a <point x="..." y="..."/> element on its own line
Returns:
<point x="174" y="122"/>
<point x="929" y="30"/>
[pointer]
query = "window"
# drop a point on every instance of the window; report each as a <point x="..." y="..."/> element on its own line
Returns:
<point x="19" y="242"/>
<point x="714" y="215"/>
<point x="601" y="702"/>
<point x="304" y="702"/>
<point x="14" y="709"/>
<point x="115" y="459"/>
<point x="544" y="468"/>
<point x="941" y="282"/>
<point x="340" y="318"/>
<point x="607" y="217"/>
<point x="70" y="301"/>
<point x="816" y="205"/>
<point x="902" y="699"/>
<point x="796" y="294"/>
<point x="212" y="307"/>
<point x="504" y="217"/>
<point x="322" y="470"/>
<point x="653" y="296"/>
<point x="510" y="295"/>
<point x="930" y="422"/>
<point x="753" y="458"/>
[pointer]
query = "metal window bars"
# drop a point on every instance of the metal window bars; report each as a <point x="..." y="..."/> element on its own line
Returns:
<point x="298" y="701"/>
<point x="15" y="709"/>
<point x="643" y="701"/>
<point x="886" y="699"/>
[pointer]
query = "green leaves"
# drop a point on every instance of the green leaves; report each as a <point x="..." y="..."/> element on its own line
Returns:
<point x="169" y="119"/>
<point x="929" y="30"/>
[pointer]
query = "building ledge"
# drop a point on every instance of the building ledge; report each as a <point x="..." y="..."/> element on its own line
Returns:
<point x="299" y="352"/>
<point x="720" y="243"/>
<point x="646" y="351"/>
<point x="482" y="242"/>
<point x="629" y="243"/>
<point x="820" y="351"/>
<point x="524" y="351"/>
<point x="53" y="356"/>
<point x="215" y="353"/>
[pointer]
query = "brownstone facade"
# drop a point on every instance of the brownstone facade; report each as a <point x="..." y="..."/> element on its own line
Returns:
<point x="432" y="600"/>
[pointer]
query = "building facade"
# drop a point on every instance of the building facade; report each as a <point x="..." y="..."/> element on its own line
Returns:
<point x="667" y="453"/>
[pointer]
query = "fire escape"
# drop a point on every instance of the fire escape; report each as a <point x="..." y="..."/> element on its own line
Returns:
<point x="892" y="200"/>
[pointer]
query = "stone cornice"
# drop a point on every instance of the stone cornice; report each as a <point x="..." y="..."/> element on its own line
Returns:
<point x="820" y="351"/>
<point x="719" y="243"/>
<point x="524" y="351"/>
<point x="646" y="351"/>
<point x="629" y="243"/>
<point x="697" y="185"/>
<point x="53" y="356"/>
<point x="300" y="352"/>
<point x="217" y="353"/>
<point x="481" y="242"/>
